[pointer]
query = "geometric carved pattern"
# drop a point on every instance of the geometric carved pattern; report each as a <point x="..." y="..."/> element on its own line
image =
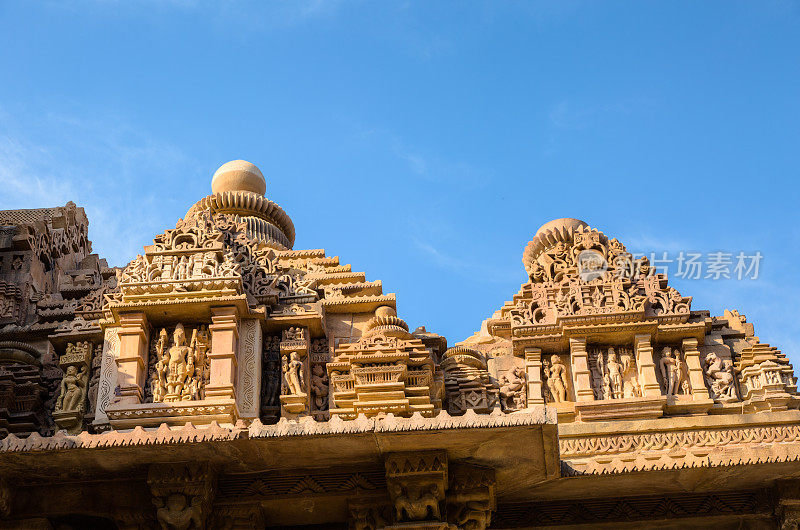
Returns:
<point x="629" y="509"/>
<point x="628" y="443"/>
<point x="270" y="484"/>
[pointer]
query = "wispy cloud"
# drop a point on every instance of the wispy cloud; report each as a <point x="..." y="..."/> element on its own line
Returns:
<point x="100" y="164"/>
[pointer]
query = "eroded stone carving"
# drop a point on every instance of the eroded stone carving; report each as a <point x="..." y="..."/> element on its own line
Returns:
<point x="471" y="497"/>
<point x="182" y="494"/>
<point x="512" y="389"/>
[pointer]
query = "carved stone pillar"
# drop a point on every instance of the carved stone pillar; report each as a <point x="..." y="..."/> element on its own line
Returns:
<point x="134" y="337"/>
<point x="224" y="344"/>
<point x="696" y="378"/>
<point x="417" y="482"/>
<point x="533" y="369"/>
<point x="471" y="497"/>
<point x="580" y="370"/>
<point x="182" y="493"/>
<point x="647" y="366"/>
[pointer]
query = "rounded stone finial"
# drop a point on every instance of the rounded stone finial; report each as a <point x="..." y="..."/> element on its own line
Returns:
<point x="564" y="222"/>
<point x="385" y="311"/>
<point x="238" y="175"/>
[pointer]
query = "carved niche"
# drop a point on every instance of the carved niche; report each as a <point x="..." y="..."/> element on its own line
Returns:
<point x="294" y="369"/>
<point x="674" y="372"/>
<point x="271" y="379"/>
<point x="614" y="373"/>
<point x="556" y="378"/>
<point x="720" y="378"/>
<point x="71" y="402"/>
<point x="509" y="375"/>
<point x="179" y="365"/>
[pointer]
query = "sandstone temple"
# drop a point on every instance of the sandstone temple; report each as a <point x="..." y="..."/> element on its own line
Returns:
<point x="224" y="379"/>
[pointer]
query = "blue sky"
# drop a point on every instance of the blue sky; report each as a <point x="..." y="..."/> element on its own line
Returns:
<point x="424" y="142"/>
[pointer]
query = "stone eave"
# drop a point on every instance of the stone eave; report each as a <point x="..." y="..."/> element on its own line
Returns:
<point x="480" y="439"/>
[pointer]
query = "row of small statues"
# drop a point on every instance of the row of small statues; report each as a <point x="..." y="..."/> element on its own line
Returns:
<point x="718" y="373"/>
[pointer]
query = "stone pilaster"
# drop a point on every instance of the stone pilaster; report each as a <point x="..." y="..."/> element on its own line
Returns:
<point x="647" y="366"/>
<point x="224" y="344"/>
<point x="582" y="375"/>
<point x="696" y="378"/>
<point x="533" y="370"/>
<point x="134" y="337"/>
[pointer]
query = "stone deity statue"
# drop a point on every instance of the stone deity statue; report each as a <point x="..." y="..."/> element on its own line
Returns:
<point x="293" y="377"/>
<point x="72" y="389"/>
<point x="672" y="370"/>
<point x="557" y="380"/>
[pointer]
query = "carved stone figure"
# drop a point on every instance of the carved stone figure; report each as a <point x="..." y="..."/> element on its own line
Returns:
<point x="720" y="378"/>
<point x="673" y="371"/>
<point x="631" y="386"/>
<point x="614" y="370"/>
<point x="293" y="377"/>
<point x="512" y="389"/>
<point x="416" y="502"/>
<point x="557" y="378"/>
<point x="178" y="514"/>
<point x="614" y="374"/>
<point x="73" y="387"/>
<point x="180" y="370"/>
<point x="319" y="386"/>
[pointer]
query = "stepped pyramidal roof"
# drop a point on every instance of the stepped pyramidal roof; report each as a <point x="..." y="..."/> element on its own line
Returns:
<point x="225" y="379"/>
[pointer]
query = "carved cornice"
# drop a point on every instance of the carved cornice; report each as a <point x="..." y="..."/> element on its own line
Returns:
<point x="686" y="440"/>
<point x="284" y="428"/>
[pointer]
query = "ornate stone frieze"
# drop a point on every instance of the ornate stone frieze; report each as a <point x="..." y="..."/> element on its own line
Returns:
<point x="682" y="510"/>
